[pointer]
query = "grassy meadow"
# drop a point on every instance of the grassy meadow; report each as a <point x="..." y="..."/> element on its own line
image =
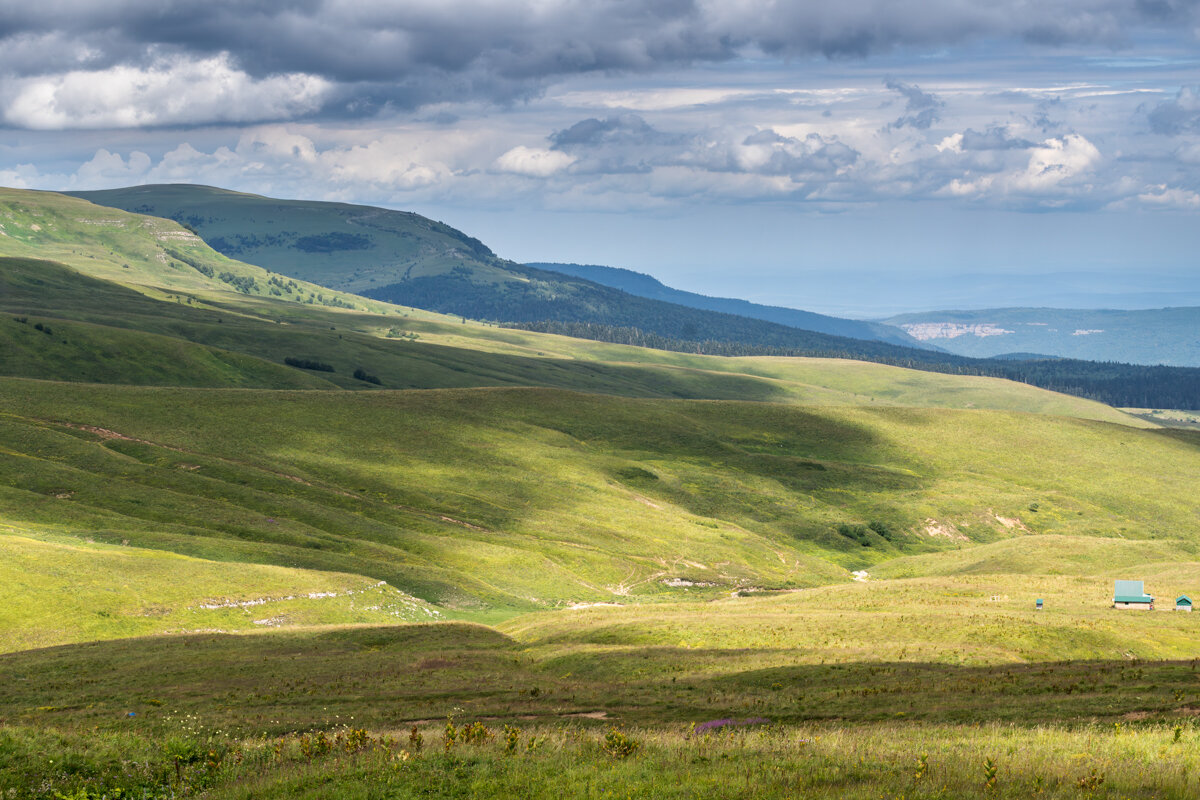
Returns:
<point x="788" y="697"/>
<point x="516" y="564"/>
<point x="487" y="503"/>
<point x="615" y="576"/>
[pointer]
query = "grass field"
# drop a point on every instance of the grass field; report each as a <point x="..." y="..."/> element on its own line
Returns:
<point x="497" y="501"/>
<point x="613" y="704"/>
<point x="225" y="576"/>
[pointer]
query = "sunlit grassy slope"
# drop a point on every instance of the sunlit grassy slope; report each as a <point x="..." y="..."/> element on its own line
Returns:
<point x="145" y="718"/>
<point x="899" y="689"/>
<point x="925" y="650"/>
<point x="492" y="501"/>
<point x="154" y="255"/>
<point x="66" y="589"/>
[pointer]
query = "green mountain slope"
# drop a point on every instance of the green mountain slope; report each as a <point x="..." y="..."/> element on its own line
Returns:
<point x="149" y="254"/>
<point x="403" y="257"/>
<point x="62" y="325"/>
<point x="1155" y="336"/>
<point x="339" y="245"/>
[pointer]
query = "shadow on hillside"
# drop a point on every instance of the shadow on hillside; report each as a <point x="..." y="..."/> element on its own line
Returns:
<point x="313" y="334"/>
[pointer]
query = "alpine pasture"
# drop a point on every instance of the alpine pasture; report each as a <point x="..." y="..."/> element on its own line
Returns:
<point x="520" y="564"/>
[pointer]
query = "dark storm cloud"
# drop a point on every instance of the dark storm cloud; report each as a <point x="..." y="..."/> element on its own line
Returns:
<point x="1180" y="115"/>
<point x="406" y="54"/>
<point x="626" y="130"/>
<point x="922" y="108"/>
<point x="621" y="144"/>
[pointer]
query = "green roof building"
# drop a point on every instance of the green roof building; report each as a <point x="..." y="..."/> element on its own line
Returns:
<point x="1131" y="594"/>
<point x="1183" y="603"/>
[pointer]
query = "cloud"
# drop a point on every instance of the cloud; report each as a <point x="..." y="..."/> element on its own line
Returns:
<point x="170" y="91"/>
<point x="922" y="108"/>
<point x="1055" y="174"/>
<point x="995" y="138"/>
<point x="620" y="144"/>
<point x="362" y="57"/>
<point x="769" y="153"/>
<point x="1171" y="197"/>
<point x="105" y="167"/>
<point x="533" y="161"/>
<point x="1180" y="115"/>
<point x="1056" y="161"/>
<point x="627" y="144"/>
<point x="627" y="129"/>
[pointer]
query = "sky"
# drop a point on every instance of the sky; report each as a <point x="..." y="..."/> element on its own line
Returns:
<point x="860" y="157"/>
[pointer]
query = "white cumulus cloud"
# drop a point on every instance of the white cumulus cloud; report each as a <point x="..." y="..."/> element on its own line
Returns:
<point x="171" y="91"/>
<point x="533" y="161"/>
<point x="1055" y="161"/>
<point x="1173" y="197"/>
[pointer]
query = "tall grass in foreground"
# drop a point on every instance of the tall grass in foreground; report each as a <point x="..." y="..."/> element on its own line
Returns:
<point x="573" y="761"/>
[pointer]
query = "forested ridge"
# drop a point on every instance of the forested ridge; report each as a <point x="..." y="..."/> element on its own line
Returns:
<point x="1122" y="385"/>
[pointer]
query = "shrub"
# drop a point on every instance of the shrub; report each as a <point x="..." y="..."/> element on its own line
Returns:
<point x="362" y="375"/>
<point x="243" y="283"/>
<point x="512" y="738"/>
<point x="199" y="266"/>
<point x="304" y="363"/>
<point x="857" y="533"/>
<point x="313" y="746"/>
<point x="882" y="529"/>
<point x="475" y="733"/>
<point x="619" y="745"/>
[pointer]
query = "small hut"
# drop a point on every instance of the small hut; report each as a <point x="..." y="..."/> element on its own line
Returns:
<point x="1183" y="603"/>
<point x="1038" y="606"/>
<point x="1131" y="594"/>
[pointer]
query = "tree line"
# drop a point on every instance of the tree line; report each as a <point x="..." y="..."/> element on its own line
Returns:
<point x="1117" y="384"/>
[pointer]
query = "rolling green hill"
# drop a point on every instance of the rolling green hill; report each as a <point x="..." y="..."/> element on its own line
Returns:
<point x="338" y="245"/>
<point x="121" y="307"/>
<point x="403" y="257"/>
<point x="152" y="255"/>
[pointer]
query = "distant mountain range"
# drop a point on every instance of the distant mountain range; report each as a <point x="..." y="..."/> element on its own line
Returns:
<point x="1169" y="336"/>
<point x="643" y="285"/>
